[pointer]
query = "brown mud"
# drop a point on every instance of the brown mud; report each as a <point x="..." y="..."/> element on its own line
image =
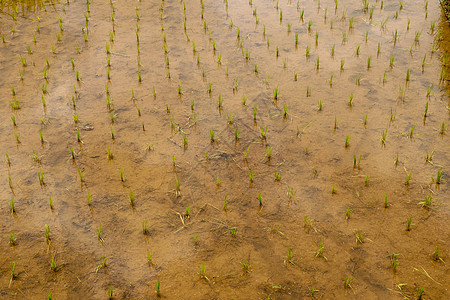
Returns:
<point x="307" y="148"/>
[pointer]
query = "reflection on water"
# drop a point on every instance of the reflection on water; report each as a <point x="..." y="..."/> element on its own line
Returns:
<point x="16" y="7"/>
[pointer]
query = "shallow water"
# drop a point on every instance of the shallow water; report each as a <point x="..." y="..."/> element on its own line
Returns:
<point x="302" y="140"/>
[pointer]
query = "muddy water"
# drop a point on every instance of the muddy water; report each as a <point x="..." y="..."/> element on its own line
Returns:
<point x="151" y="152"/>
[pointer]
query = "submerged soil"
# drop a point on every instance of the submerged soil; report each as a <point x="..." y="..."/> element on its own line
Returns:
<point x="297" y="237"/>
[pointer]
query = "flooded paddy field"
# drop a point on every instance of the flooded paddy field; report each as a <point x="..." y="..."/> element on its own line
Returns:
<point x="224" y="149"/>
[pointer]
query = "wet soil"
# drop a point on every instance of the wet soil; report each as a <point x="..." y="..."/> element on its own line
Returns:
<point x="322" y="224"/>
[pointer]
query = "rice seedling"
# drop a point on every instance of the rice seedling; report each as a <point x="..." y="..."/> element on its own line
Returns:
<point x="335" y="123"/>
<point x="408" y="223"/>
<point x="13" y="275"/>
<point x="289" y="257"/>
<point x="13" y="119"/>
<point x="342" y="64"/>
<point x="259" y="199"/>
<point x="438" y="177"/>
<point x="109" y="153"/>
<point x="50" y="201"/>
<point x="308" y="50"/>
<point x="23" y="61"/>
<point x="277" y="175"/>
<point x="110" y="292"/>
<point x="319" y="106"/>
<point x="80" y="174"/>
<point x="8" y="161"/>
<point x="359" y="237"/>
<point x="348" y="213"/>
<point x="394" y="261"/>
<point x="131" y="197"/>
<point x="47" y="232"/>
<point x="333" y="190"/>
<point x="436" y="254"/>
<point x="12" y="204"/>
<point x="429" y="157"/>
<point x="17" y="136"/>
<point x="411" y="132"/>
<point x="408" y="74"/>
<point x="308" y="92"/>
<point x="347" y="141"/>
<point x="427" y="202"/>
<point x="350" y="100"/>
<point x="269" y="153"/>
<point x="144" y="226"/>
<point x="442" y="129"/>
<point x="369" y="59"/>
<point x="291" y="193"/>
<point x="319" y="253"/>
<point x="41" y="178"/>
<point x="158" y="288"/>
<point x="79" y="136"/>
<point x="344" y="37"/>
<point x="202" y="271"/>
<point x="12" y="239"/>
<point x="383" y="136"/>
<point x="15" y="104"/>
<point x="348" y="282"/>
